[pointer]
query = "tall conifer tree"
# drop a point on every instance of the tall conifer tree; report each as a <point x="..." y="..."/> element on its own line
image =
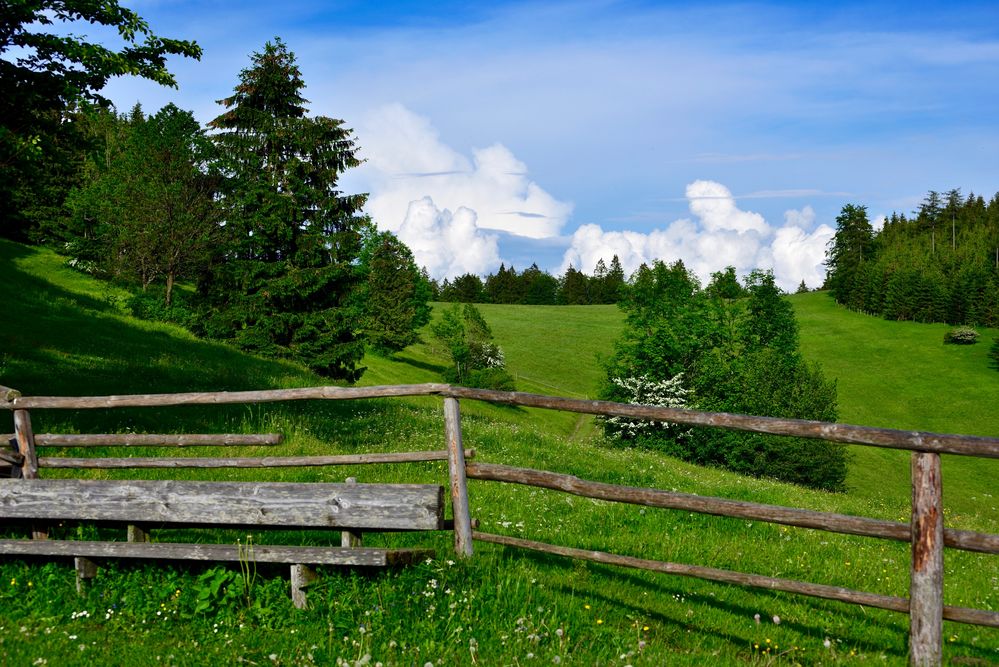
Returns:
<point x="284" y="282"/>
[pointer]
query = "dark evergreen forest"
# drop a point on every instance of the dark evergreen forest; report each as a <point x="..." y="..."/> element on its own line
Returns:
<point x="535" y="287"/>
<point x="938" y="264"/>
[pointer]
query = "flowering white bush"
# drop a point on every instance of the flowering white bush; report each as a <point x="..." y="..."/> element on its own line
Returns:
<point x="642" y="390"/>
<point x="486" y="355"/>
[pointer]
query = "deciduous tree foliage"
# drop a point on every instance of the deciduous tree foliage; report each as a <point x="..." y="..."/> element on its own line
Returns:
<point x="734" y="355"/>
<point x="147" y="212"/>
<point x="283" y="283"/>
<point x="468" y="341"/>
<point x="44" y="76"/>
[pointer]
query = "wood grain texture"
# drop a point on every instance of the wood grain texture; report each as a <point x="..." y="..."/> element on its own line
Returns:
<point x="926" y="571"/>
<point x="957" y="614"/>
<point x="214" y="552"/>
<point x="302" y="576"/>
<point x="456" y="478"/>
<point x="222" y="397"/>
<point x="25" y="439"/>
<point x="374" y="506"/>
<point x="156" y="439"/>
<point x="238" y="462"/>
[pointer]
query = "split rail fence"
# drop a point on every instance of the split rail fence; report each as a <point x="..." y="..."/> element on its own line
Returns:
<point x="925" y="531"/>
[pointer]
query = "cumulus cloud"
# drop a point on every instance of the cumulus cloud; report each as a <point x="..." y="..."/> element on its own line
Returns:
<point x="447" y="244"/>
<point x="714" y="205"/>
<point x="722" y="235"/>
<point x="453" y="210"/>
<point x="442" y="203"/>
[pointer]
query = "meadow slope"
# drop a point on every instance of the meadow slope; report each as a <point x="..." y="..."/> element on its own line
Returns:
<point x="65" y="334"/>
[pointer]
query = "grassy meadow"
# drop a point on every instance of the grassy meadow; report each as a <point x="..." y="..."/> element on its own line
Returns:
<point x="65" y="334"/>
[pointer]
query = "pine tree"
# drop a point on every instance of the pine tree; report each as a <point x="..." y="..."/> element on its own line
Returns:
<point x="929" y="216"/>
<point x="393" y="294"/>
<point x="574" y="288"/>
<point x="849" y="248"/>
<point x="615" y="280"/>
<point x="283" y="284"/>
<point x="540" y="287"/>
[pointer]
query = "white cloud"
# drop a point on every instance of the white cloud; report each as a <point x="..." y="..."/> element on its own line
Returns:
<point x="406" y="161"/>
<point x="723" y="235"/>
<point x="713" y="204"/>
<point x="798" y="254"/>
<point x="447" y="244"/>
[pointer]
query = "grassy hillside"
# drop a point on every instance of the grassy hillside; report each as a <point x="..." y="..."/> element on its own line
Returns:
<point x="64" y="334"/>
<point x="901" y="375"/>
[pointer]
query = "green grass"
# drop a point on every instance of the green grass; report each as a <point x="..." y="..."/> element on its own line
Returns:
<point x="901" y="375"/>
<point x="64" y="334"/>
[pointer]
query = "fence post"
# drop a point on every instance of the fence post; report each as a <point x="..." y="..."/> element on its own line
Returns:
<point x="29" y="466"/>
<point x="456" y="476"/>
<point x="26" y="444"/>
<point x="926" y="573"/>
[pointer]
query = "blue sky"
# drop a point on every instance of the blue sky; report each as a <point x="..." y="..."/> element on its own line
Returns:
<point x="562" y="132"/>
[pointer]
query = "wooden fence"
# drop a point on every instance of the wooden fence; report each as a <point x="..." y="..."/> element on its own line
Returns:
<point x="925" y="530"/>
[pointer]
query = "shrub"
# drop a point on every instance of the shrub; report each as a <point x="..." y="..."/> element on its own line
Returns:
<point x="961" y="336"/>
<point x="151" y="306"/>
<point x="490" y="378"/>
<point x="477" y="360"/>
<point x="736" y="353"/>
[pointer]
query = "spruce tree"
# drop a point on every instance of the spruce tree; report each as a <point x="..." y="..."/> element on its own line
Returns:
<point x="850" y="247"/>
<point x="393" y="296"/>
<point x="283" y="283"/>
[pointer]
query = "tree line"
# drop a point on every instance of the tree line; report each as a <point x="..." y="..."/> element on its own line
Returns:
<point x="938" y="264"/>
<point x="536" y="287"/>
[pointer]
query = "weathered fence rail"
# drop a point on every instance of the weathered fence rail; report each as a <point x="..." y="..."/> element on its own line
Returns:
<point x="925" y="531"/>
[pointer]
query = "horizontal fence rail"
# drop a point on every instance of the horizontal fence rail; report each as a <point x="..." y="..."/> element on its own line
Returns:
<point x="154" y="439"/>
<point x="920" y="441"/>
<point x="245" y="462"/>
<point x="221" y="397"/>
<point x="789" y="516"/>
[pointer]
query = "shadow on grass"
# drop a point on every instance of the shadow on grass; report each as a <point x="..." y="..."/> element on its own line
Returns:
<point x="857" y="616"/>
<point x="416" y="363"/>
<point x="57" y="342"/>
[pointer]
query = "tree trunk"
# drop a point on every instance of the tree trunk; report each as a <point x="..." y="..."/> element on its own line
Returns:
<point x="169" y="287"/>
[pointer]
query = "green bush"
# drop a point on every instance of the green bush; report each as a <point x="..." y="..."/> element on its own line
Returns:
<point x="736" y="354"/>
<point x="483" y="378"/>
<point x="151" y="306"/>
<point x="961" y="336"/>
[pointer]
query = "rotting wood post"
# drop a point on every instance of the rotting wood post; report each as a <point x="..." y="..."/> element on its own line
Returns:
<point x="456" y="475"/>
<point x="137" y="533"/>
<point x="7" y="394"/>
<point x="301" y="577"/>
<point x="26" y="444"/>
<point x="86" y="569"/>
<point x="29" y="466"/>
<point x="350" y="538"/>
<point x="926" y="573"/>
